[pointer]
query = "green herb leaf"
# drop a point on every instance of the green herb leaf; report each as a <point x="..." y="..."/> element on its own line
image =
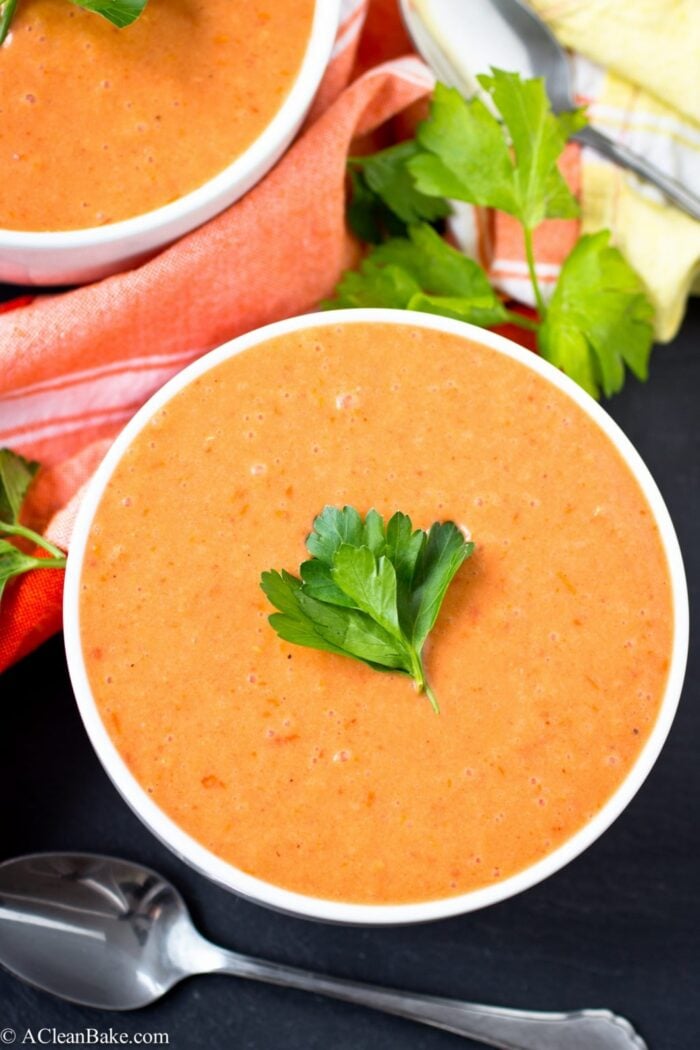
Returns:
<point x="356" y="634"/>
<point x="538" y="137"/>
<point x="447" y="282"/>
<point x="371" y="591"/>
<point x="292" y="623"/>
<point x="16" y="474"/>
<point x="599" y="318"/>
<point x="371" y="584"/>
<point x="318" y="583"/>
<point x="422" y="272"/>
<point x="387" y="175"/>
<point x="513" y="167"/>
<point x="7" y="13"/>
<point x="333" y="526"/>
<point x="367" y="214"/>
<point x="440" y="558"/>
<point x="120" y="13"/>
<point x="13" y="563"/>
<point x="403" y="548"/>
<point x="470" y="156"/>
<point x="317" y="625"/>
<point x="464" y="153"/>
<point x="374" y="535"/>
<point x="374" y="284"/>
<point x="403" y="545"/>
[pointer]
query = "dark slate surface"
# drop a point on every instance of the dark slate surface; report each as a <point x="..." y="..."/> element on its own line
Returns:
<point x="618" y="927"/>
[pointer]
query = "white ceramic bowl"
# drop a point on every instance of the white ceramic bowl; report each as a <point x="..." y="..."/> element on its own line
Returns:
<point x="255" y="889"/>
<point x="77" y="256"/>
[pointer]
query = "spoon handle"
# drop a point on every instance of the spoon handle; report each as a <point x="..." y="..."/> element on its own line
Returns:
<point x="507" y="1029"/>
<point x="673" y="190"/>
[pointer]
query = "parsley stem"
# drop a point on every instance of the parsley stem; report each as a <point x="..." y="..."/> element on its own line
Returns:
<point x="530" y="256"/>
<point x="50" y="563"/>
<point x="522" y="322"/>
<point x="7" y="11"/>
<point x="421" y="682"/>
<point x="431" y="696"/>
<point x="34" y="537"/>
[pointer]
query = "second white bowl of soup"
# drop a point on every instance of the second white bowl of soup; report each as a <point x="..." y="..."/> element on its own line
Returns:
<point x="118" y="141"/>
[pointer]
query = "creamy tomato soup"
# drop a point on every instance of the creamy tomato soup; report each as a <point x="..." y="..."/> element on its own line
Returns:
<point x="99" y="124"/>
<point x="310" y="770"/>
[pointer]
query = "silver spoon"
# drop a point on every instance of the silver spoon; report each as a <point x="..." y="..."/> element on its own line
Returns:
<point x="114" y="935"/>
<point x="461" y="38"/>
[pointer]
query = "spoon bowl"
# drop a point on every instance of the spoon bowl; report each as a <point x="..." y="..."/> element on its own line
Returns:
<point x="111" y="934"/>
<point x="460" y="41"/>
<point x="506" y="35"/>
<point x="96" y="930"/>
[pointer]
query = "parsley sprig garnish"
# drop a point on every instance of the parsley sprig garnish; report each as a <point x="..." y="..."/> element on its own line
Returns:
<point x="16" y="474"/>
<point x="370" y="591"/>
<point x="120" y="13"/>
<point x="599" y="319"/>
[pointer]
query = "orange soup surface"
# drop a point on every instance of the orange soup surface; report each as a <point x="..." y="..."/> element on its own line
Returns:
<point x="310" y="770"/>
<point x="99" y="124"/>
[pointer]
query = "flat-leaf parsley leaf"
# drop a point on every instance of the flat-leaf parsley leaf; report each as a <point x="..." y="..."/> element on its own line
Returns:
<point x="370" y="591"/>
<point x="599" y="318"/>
<point x="422" y="272"/>
<point x="468" y="154"/>
<point x="385" y="198"/>
<point x="120" y="13"/>
<point x="16" y="475"/>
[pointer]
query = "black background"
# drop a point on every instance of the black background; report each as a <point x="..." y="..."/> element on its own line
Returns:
<point x="618" y="927"/>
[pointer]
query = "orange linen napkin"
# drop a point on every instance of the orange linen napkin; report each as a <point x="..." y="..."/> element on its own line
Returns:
<point x="75" y="366"/>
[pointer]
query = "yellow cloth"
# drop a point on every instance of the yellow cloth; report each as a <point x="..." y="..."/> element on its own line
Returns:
<point x="648" y="96"/>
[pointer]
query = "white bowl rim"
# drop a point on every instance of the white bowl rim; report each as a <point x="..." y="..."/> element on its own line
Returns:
<point x="225" y="874"/>
<point x="319" y="46"/>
